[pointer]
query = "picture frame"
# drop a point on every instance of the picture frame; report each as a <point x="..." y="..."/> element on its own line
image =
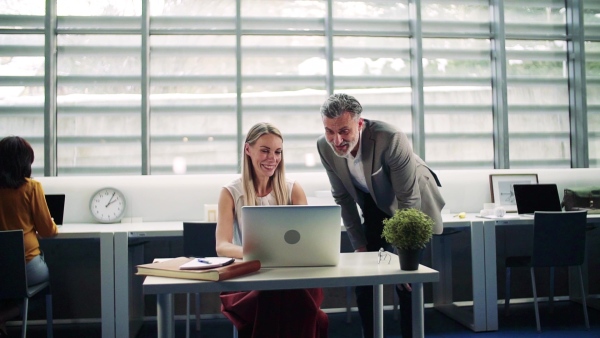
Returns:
<point x="502" y="191"/>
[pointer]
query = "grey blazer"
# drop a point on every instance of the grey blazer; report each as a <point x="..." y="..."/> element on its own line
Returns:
<point x="396" y="177"/>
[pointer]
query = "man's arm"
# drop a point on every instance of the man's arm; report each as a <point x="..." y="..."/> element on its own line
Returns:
<point x="342" y="197"/>
<point x="403" y="172"/>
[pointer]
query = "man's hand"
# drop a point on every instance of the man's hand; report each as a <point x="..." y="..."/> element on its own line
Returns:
<point x="405" y="286"/>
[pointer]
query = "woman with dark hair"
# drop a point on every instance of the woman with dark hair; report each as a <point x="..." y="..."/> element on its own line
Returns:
<point x="23" y="206"/>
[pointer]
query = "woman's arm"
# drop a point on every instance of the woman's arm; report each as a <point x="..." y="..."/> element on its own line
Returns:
<point x="43" y="223"/>
<point x="224" y="232"/>
<point x="298" y="195"/>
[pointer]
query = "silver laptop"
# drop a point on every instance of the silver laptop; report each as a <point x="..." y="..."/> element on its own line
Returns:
<point x="292" y="235"/>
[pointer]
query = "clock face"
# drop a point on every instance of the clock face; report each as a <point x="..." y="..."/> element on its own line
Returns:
<point x="108" y="205"/>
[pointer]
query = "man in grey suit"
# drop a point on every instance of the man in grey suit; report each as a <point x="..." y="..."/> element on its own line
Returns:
<point x="371" y="163"/>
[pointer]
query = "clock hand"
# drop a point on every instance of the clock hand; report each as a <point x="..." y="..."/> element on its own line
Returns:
<point x="110" y="200"/>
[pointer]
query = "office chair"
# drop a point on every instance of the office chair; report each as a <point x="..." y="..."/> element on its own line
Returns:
<point x="13" y="279"/>
<point x="558" y="240"/>
<point x="198" y="241"/>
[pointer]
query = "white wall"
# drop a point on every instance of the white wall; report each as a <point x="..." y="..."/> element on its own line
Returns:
<point x="182" y="198"/>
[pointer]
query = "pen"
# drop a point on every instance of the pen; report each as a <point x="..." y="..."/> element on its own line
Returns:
<point x="203" y="261"/>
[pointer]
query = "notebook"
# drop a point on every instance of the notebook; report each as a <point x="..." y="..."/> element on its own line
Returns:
<point x="56" y="205"/>
<point x="536" y="197"/>
<point x="292" y="235"/>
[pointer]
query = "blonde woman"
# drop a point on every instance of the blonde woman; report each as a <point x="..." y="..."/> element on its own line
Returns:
<point x="265" y="314"/>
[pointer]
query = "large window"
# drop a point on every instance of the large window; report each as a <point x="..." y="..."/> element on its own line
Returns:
<point x="205" y="71"/>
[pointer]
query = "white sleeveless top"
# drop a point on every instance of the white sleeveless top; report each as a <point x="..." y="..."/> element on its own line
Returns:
<point x="236" y="191"/>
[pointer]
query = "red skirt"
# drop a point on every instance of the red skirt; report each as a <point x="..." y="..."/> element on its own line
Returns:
<point x="276" y="313"/>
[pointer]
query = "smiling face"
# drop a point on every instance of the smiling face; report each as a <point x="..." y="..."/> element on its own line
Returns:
<point x="343" y="133"/>
<point x="265" y="154"/>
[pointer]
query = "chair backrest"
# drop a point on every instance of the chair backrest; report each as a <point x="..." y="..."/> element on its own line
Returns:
<point x="13" y="279"/>
<point x="559" y="238"/>
<point x="199" y="239"/>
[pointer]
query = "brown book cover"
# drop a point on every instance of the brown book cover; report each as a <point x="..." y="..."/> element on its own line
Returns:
<point x="170" y="268"/>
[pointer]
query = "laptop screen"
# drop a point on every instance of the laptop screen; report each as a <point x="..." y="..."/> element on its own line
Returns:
<point x="56" y="205"/>
<point x="536" y="197"/>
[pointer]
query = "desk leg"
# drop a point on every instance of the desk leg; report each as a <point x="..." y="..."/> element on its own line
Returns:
<point x="121" y="285"/>
<point x="441" y="260"/>
<point x="418" y="315"/>
<point x="378" y="311"/>
<point x="479" y="262"/>
<point x="442" y="291"/>
<point x="491" y="284"/>
<point x="107" y="286"/>
<point x="164" y="315"/>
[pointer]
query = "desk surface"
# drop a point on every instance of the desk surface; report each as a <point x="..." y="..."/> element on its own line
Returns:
<point x="175" y="228"/>
<point x="353" y="268"/>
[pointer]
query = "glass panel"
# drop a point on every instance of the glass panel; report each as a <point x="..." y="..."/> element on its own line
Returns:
<point x="458" y="105"/>
<point x="99" y="8"/>
<point x="378" y="9"/>
<point x="284" y="83"/>
<point x="193" y="100"/>
<point x="591" y="17"/>
<point x="538" y="103"/>
<point x="186" y="8"/>
<point x="22" y="89"/>
<point x="541" y="12"/>
<point x="282" y="9"/>
<point x="181" y="55"/>
<point x="23" y="7"/>
<point x="376" y="71"/>
<point x="472" y="11"/>
<point x="98" y="104"/>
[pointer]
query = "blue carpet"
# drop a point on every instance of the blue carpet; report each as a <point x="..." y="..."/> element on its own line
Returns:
<point x="565" y="321"/>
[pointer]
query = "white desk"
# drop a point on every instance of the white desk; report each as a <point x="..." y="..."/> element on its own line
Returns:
<point x="441" y="255"/>
<point x="107" y="273"/>
<point x="491" y="287"/>
<point x="128" y="319"/>
<point x="354" y="269"/>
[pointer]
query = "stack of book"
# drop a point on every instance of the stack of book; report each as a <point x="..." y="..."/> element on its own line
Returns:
<point x="173" y="268"/>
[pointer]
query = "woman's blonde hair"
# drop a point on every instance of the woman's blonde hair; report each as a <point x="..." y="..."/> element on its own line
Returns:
<point x="278" y="182"/>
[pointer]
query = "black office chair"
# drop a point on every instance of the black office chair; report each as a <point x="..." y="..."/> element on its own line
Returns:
<point x="558" y="240"/>
<point x="198" y="241"/>
<point x="13" y="279"/>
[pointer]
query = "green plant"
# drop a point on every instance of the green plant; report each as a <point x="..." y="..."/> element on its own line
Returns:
<point x="408" y="229"/>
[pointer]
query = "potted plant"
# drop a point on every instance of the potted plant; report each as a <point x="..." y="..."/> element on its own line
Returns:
<point x="409" y="230"/>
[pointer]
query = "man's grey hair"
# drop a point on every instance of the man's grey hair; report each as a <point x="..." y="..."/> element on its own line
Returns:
<point x="337" y="104"/>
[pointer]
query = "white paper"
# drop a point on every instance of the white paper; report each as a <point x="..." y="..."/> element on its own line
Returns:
<point x="506" y="216"/>
<point x="206" y="263"/>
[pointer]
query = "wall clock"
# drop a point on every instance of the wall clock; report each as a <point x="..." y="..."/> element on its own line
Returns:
<point x="108" y="205"/>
